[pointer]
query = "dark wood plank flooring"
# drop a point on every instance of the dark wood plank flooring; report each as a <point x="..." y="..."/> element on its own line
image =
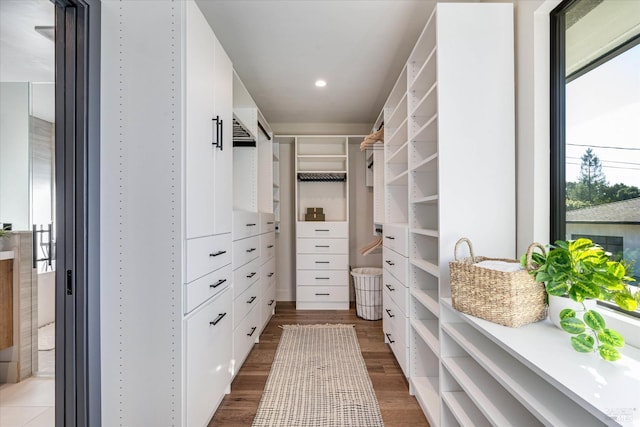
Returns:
<point x="398" y="408"/>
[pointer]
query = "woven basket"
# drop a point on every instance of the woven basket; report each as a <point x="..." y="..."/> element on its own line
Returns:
<point x="508" y="298"/>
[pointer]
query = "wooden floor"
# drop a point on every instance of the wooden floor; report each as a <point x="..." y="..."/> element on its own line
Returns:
<point x="398" y="408"/>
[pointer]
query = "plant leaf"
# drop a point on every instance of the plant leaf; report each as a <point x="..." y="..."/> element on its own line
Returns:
<point x="611" y="337"/>
<point x="567" y="313"/>
<point x="582" y="343"/>
<point x="594" y="320"/>
<point x="556" y="288"/>
<point x="626" y="301"/>
<point x="543" y="276"/>
<point x="608" y="352"/>
<point x="587" y="289"/>
<point x="616" y="269"/>
<point x="573" y="325"/>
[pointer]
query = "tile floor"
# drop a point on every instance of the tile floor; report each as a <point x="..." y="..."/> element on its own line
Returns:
<point x="30" y="403"/>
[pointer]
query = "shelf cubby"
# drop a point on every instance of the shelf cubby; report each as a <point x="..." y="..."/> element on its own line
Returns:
<point x="398" y="115"/>
<point x="425" y="215"/>
<point x="424" y="183"/>
<point x="425" y="325"/>
<point x="425" y="105"/>
<point x="423" y="48"/>
<point x="321" y="145"/>
<point x="459" y="410"/>
<point x="396" y="137"/>
<point x="399" y="154"/>
<point x="427" y="132"/>
<point x="425" y="378"/>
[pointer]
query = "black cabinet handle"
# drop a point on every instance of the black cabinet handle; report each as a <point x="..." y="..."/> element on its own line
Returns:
<point x="219" y="133"/>
<point x="389" y="338"/>
<point x="252" y="299"/>
<point x="251" y="250"/>
<point x="322" y="262"/>
<point x="389" y="262"/>
<point x="391" y="288"/>
<point x="270" y="223"/>
<point x="322" y="229"/>
<point x="271" y="302"/>
<point x="323" y="246"/>
<point x="218" y="283"/>
<point x="250" y="225"/>
<point x="270" y="274"/>
<point x="269" y="247"/>
<point x="389" y="312"/>
<point x="249" y="276"/>
<point x="322" y="278"/>
<point x="217" y="320"/>
<point x="322" y="294"/>
<point x="390" y="237"/>
<point x="252" y="331"/>
<point x="218" y="253"/>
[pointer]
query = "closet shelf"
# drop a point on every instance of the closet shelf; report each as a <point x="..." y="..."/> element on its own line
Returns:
<point x="429" y="131"/>
<point x="428" y="298"/>
<point x="425" y="200"/>
<point x="400" y="179"/>
<point x="464" y="410"/>
<point x="241" y="136"/>
<point x="427" y="330"/>
<point x="426" y="391"/>
<point x="400" y="155"/>
<point x="427" y="165"/>
<point x="321" y="177"/>
<point x="425" y="232"/>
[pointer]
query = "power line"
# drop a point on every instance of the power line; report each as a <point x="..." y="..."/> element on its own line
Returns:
<point x="608" y="166"/>
<point x="606" y="146"/>
<point x="608" y="161"/>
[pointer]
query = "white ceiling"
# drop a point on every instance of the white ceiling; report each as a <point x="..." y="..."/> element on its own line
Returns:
<point x="279" y="48"/>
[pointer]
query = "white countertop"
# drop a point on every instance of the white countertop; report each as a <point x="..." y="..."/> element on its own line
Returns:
<point x="6" y="255"/>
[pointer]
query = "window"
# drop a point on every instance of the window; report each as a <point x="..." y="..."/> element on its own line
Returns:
<point x="595" y="138"/>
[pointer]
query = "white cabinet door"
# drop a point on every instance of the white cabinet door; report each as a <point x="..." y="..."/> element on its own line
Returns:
<point x="199" y="108"/>
<point x="223" y="109"/>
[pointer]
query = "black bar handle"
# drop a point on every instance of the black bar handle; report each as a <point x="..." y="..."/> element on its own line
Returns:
<point x="218" y="283"/>
<point x="218" y="132"/>
<point x="323" y="246"/>
<point x="251" y="275"/>
<point x="270" y="274"/>
<point x="271" y="302"/>
<point x="322" y="229"/>
<point x="251" y="250"/>
<point x="221" y="134"/>
<point x="269" y="247"/>
<point x="391" y="288"/>
<point x="389" y="312"/>
<point x="389" y="262"/>
<point x="218" y="253"/>
<point x="270" y="223"/>
<point x="250" y="225"/>
<point x="252" y="331"/>
<point x="389" y="338"/>
<point x="322" y="278"/>
<point x="322" y="294"/>
<point x="252" y="299"/>
<point x="322" y="262"/>
<point x="217" y="320"/>
<point x="390" y="237"/>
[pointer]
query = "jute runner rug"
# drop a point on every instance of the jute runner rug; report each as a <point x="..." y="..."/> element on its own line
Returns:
<point x="318" y="379"/>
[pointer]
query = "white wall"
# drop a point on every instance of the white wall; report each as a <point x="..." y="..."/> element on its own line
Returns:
<point x="286" y="243"/>
<point x="14" y="155"/>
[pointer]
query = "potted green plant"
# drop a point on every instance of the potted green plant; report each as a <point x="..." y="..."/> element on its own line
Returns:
<point x="581" y="270"/>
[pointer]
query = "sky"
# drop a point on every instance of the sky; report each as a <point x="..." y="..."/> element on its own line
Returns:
<point x="603" y="111"/>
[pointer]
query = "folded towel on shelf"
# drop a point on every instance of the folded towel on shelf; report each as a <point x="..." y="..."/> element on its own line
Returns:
<point x="505" y="266"/>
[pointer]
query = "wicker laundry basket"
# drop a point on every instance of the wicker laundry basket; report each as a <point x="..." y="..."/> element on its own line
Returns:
<point x="509" y="298"/>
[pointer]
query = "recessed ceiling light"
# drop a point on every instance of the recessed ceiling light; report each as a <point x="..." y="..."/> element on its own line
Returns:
<point x="321" y="83"/>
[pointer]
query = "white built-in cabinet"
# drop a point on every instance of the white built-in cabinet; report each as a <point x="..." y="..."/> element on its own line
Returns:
<point x="322" y="247"/>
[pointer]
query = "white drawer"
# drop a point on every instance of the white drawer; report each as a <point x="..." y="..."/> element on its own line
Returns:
<point x="245" y="250"/>
<point x="268" y="273"/>
<point x="323" y="229"/>
<point x="323" y="293"/>
<point x="205" y="287"/>
<point x="397" y="291"/>
<point x="329" y="277"/>
<point x="267" y="222"/>
<point x="396" y="237"/>
<point x="244" y="336"/>
<point x="207" y="254"/>
<point x="396" y="264"/>
<point x="268" y="304"/>
<point x="245" y="276"/>
<point x="322" y="262"/>
<point x="322" y="246"/>
<point x="245" y="302"/>
<point x="245" y="224"/>
<point x="207" y="357"/>
<point x="395" y="331"/>
<point x="267" y="246"/>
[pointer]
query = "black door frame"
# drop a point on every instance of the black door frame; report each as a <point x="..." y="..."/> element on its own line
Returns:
<point x="77" y="178"/>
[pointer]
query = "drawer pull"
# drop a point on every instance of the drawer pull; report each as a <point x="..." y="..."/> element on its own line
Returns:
<point x="389" y="338"/>
<point x="390" y="262"/>
<point x="271" y="302"/>
<point x="218" y="253"/>
<point x="269" y="247"/>
<point x="252" y="299"/>
<point x="217" y="320"/>
<point x="323" y="246"/>
<point x="251" y="250"/>
<point x="322" y="278"/>
<point x="218" y="283"/>
<point x="251" y="225"/>
<point x="252" y="331"/>
<point x="322" y="262"/>
<point x="391" y="288"/>
<point x="270" y="274"/>
<point x="322" y="229"/>
<point x="270" y="223"/>
<point x="249" y="276"/>
<point x="390" y="237"/>
<point x="389" y="312"/>
<point x="326" y="295"/>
